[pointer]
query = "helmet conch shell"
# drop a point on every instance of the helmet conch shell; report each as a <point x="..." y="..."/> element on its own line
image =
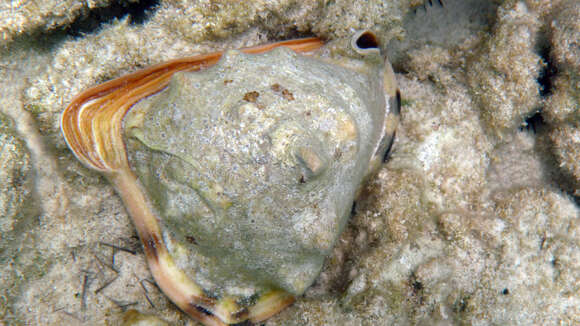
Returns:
<point x="92" y="126"/>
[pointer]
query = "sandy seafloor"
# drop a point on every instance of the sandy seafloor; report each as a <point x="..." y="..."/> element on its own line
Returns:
<point x="474" y="220"/>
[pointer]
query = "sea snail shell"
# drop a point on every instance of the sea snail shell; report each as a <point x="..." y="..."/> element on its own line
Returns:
<point x="92" y="125"/>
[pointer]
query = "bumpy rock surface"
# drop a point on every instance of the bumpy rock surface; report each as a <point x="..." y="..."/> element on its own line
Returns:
<point x="503" y="77"/>
<point x="563" y="105"/>
<point x="17" y="212"/>
<point x="26" y="17"/>
<point x="15" y="178"/>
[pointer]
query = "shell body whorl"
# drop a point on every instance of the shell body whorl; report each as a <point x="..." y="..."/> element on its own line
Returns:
<point x="239" y="170"/>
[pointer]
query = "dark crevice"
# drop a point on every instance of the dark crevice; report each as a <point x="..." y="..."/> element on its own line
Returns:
<point x="429" y="3"/>
<point x="559" y="178"/>
<point x="534" y="123"/>
<point x="291" y="32"/>
<point x="549" y="70"/>
<point x="554" y="174"/>
<point x="138" y="12"/>
<point x="353" y="209"/>
<point x="203" y="310"/>
<point x="87" y="22"/>
<point x="461" y="304"/>
<point x="387" y="154"/>
<point x="417" y="288"/>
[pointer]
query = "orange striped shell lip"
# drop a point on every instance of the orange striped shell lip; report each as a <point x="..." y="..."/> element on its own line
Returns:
<point x="92" y="122"/>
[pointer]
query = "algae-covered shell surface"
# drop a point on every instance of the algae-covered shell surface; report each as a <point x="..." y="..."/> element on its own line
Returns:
<point x="241" y="176"/>
<point x="254" y="163"/>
